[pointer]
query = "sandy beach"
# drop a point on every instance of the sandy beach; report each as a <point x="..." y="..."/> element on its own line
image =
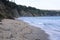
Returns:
<point x="19" y="30"/>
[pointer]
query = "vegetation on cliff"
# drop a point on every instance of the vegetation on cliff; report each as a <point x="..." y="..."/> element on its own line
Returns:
<point x="11" y="10"/>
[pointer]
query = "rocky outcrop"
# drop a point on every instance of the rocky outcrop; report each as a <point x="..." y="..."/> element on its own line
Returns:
<point x="19" y="30"/>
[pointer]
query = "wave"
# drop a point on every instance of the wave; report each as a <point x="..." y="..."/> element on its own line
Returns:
<point x="50" y="24"/>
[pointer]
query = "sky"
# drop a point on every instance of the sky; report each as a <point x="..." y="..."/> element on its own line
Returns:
<point x="40" y="4"/>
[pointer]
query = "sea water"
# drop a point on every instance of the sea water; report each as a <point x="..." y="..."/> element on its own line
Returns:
<point x="50" y="24"/>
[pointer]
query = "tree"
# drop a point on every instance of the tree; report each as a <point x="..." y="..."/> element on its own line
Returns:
<point x="4" y="0"/>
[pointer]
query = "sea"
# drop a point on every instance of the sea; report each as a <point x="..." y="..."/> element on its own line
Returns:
<point x="50" y="24"/>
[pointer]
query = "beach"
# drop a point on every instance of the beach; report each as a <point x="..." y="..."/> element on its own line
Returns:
<point x="20" y="30"/>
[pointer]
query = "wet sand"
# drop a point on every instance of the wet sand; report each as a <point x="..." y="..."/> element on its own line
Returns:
<point x="19" y="30"/>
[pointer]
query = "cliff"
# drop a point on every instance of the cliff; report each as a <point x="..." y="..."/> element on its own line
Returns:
<point x="8" y="10"/>
<point x="11" y="10"/>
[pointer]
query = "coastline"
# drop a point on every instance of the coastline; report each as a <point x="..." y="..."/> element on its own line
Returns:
<point x="19" y="30"/>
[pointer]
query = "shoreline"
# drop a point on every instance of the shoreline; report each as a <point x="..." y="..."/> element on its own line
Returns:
<point x="20" y="30"/>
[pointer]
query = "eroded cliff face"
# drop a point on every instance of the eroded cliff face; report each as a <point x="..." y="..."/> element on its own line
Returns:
<point x="2" y="10"/>
<point x="11" y="10"/>
<point x="7" y="12"/>
<point x="25" y="14"/>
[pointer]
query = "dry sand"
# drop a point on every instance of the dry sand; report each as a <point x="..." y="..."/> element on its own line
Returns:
<point x="19" y="30"/>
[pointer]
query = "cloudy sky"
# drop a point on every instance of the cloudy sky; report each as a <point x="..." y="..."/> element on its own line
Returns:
<point x="41" y="4"/>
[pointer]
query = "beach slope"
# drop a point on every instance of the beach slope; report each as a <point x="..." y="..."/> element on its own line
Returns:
<point x="19" y="30"/>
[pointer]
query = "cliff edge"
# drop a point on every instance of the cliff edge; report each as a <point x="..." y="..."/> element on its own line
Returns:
<point x="11" y="10"/>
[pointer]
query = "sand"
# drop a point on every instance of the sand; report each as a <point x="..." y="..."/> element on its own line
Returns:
<point x="19" y="30"/>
